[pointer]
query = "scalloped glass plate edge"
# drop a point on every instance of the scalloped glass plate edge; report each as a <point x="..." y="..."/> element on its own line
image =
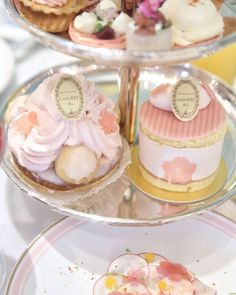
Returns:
<point x="119" y="57"/>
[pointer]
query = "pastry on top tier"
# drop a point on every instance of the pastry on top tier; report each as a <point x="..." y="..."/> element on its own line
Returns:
<point x="105" y="26"/>
<point x="151" y="30"/>
<point x="60" y="152"/>
<point x="193" y="21"/>
<point x="177" y="155"/>
<point x="51" y="15"/>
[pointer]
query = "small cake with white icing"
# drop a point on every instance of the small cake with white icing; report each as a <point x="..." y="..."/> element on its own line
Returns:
<point x="193" y="21"/>
<point x="102" y="27"/>
<point x="181" y="155"/>
<point x="64" y="135"/>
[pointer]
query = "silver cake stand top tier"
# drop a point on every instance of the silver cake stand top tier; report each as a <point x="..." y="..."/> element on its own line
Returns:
<point x="121" y="202"/>
<point x="121" y="57"/>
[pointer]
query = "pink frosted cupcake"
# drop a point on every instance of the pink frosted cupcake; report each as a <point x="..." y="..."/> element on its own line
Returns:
<point x="65" y="134"/>
<point x="103" y="27"/>
<point x="173" y="153"/>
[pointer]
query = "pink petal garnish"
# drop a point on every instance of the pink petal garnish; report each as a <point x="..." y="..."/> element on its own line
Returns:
<point x="108" y="122"/>
<point x="149" y="8"/>
<point x="180" y="170"/>
<point x="174" y="271"/>
<point x="160" y="88"/>
<point x="26" y="122"/>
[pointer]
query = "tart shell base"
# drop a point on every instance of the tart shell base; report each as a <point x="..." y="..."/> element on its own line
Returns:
<point x="57" y="187"/>
<point x="48" y="22"/>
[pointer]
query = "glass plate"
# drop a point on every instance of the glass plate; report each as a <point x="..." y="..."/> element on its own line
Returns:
<point x="121" y="202"/>
<point x="65" y="259"/>
<point x="2" y="270"/>
<point x="123" y="57"/>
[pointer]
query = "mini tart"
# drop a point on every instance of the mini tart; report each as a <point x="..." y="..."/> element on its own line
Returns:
<point x="71" y="7"/>
<point x="92" y="40"/>
<point x="47" y="22"/>
<point x="38" y="134"/>
<point x="35" y="179"/>
<point x="50" y="19"/>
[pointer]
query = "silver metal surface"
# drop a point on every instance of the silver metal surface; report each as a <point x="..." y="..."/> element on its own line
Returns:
<point x="115" y="57"/>
<point x="121" y="203"/>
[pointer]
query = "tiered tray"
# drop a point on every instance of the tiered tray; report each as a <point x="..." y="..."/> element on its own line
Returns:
<point x="122" y="203"/>
<point x="128" y="76"/>
<point x="114" y="57"/>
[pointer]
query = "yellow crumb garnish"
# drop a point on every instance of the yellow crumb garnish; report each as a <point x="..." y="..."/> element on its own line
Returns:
<point x="162" y="286"/>
<point x="149" y="257"/>
<point x="110" y="282"/>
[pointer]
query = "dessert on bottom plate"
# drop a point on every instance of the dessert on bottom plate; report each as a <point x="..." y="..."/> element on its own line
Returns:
<point x="181" y="155"/>
<point x="64" y="135"/>
<point x="149" y="274"/>
<point x="102" y="27"/>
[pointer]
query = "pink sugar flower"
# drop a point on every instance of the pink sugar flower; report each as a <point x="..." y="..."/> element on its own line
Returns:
<point x="149" y="8"/>
<point x="108" y="122"/>
<point x="174" y="271"/>
<point x="180" y="170"/>
<point x="26" y="122"/>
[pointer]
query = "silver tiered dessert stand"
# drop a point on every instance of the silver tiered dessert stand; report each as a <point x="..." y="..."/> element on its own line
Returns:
<point x="129" y="76"/>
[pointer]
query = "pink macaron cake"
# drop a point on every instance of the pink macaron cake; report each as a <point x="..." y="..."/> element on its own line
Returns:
<point x="180" y="155"/>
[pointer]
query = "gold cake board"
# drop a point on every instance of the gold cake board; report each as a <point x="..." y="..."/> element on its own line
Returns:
<point x="170" y="196"/>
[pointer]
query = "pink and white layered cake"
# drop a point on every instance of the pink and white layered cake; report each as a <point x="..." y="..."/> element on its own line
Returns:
<point x="59" y="152"/>
<point x="177" y="155"/>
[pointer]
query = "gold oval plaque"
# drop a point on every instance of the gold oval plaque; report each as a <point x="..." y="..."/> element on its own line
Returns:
<point x="185" y="100"/>
<point x="69" y="98"/>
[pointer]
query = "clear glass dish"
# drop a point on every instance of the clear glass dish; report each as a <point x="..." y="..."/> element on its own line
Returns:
<point x="123" y="57"/>
<point x="121" y="203"/>
<point x="2" y="270"/>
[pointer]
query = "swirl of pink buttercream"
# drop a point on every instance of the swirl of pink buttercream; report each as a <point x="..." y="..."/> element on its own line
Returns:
<point x="91" y="135"/>
<point x="38" y="149"/>
<point x="37" y="135"/>
<point x="95" y="102"/>
<point x="51" y="3"/>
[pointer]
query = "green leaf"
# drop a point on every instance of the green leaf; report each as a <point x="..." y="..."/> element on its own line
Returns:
<point x="99" y="27"/>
